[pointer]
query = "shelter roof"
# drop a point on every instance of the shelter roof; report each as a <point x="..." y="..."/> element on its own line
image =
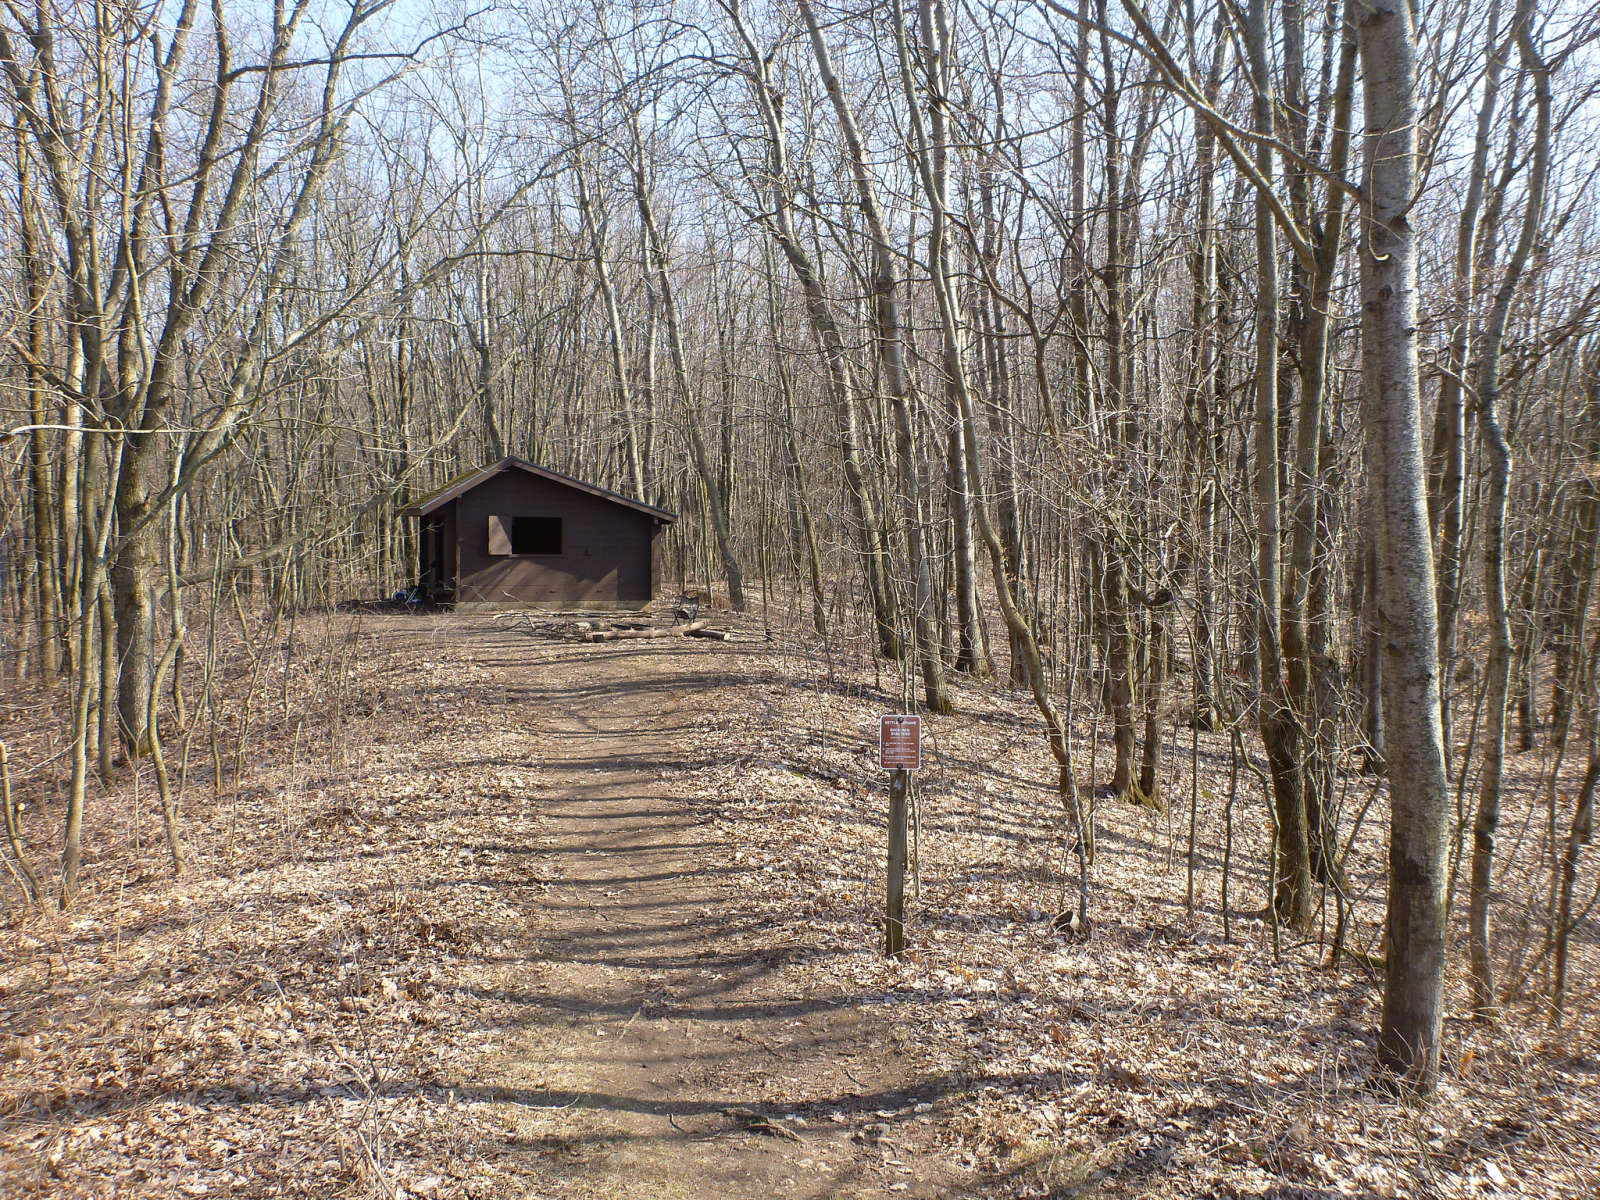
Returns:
<point x="465" y="482"/>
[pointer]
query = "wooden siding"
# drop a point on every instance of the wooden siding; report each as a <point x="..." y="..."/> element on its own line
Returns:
<point x="607" y="556"/>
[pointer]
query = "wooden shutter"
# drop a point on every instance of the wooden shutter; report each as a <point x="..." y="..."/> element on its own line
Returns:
<point x="500" y="535"/>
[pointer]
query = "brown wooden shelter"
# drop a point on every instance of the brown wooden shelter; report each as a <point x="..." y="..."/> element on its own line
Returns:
<point x="516" y="534"/>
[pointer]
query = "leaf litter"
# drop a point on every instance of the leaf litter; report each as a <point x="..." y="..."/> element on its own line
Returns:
<point x="296" y="1014"/>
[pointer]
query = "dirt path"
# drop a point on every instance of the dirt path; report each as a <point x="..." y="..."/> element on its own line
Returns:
<point x="660" y="1051"/>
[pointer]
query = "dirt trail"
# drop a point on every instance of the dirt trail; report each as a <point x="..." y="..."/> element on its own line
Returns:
<point x="646" y="1014"/>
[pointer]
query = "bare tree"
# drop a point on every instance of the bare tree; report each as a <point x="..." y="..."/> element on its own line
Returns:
<point x="1408" y="1041"/>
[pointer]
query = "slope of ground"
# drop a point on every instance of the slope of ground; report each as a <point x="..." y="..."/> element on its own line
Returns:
<point x="495" y="916"/>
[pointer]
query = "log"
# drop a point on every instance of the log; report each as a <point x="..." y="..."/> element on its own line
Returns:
<point x="712" y="635"/>
<point x="617" y="635"/>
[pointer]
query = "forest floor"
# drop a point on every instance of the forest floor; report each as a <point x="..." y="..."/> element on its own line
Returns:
<point x="486" y="915"/>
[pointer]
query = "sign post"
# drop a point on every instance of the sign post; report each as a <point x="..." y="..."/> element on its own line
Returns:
<point x="899" y="753"/>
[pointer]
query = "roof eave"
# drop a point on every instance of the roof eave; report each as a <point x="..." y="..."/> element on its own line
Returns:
<point x="453" y="491"/>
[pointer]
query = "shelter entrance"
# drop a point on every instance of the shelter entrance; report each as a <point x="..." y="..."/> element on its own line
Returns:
<point x="436" y="576"/>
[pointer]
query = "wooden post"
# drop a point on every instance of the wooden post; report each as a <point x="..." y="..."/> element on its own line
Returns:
<point x="894" y="917"/>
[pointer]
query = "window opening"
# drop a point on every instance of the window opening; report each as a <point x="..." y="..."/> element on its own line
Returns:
<point x="536" y="535"/>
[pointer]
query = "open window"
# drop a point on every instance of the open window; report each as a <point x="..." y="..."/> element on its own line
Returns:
<point x="536" y="535"/>
<point x="524" y="535"/>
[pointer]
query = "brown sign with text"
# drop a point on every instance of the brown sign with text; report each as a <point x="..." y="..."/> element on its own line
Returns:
<point x="900" y="742"/>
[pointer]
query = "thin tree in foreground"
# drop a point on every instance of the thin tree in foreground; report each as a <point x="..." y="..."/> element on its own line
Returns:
<point x="1408" y="1042"/>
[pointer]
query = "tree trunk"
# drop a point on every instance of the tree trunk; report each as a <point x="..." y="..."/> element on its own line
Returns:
<point x="1201" y="423"/>
<point x="935" y="37"/>
<point x="1577" y="583"/>
<point x="972" y="656"/>
<point x="680" y="369"/>
<point x="1150" y="756"/>
<point x="1408" y="1040"/>
<point x="890" y="346"/>
<point x="1579" y="835"/>
<point x="134" y="575"/>
<point x="1279" y="725"/>
<point x="1305" y="619"/>
<point x="112" y="685"/>
<point x="621" y="371"/>
<point x="1487" y="819"/>
<point x="1120" y="560"/>
<point x="41" y="504"/>
<point x="1003" y="424"/>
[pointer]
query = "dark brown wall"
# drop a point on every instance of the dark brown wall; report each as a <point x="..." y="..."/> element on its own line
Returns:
<point x="451" y="534"/>
<point x="605" y="549"/>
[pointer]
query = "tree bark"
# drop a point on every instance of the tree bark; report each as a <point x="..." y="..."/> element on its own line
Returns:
<point x="1447" y="478"/>
<point x="1278" y="721"/>
<point x="1579" y="834"/>
<point x="1577" y="577"/>
<point x="1498" y="668"/>
<point x="1408" y="1040"/>
<point x="1119" y="560"/>
<point x="42" y="504"/>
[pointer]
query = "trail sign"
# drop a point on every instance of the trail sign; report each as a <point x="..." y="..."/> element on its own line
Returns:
<point x="899" y="751"/>
<point x="900" y="742"/>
